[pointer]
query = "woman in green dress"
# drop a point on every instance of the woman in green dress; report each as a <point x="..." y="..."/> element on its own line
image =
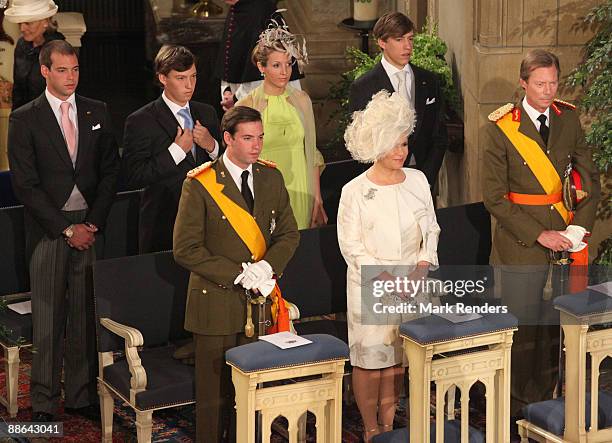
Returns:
<point x="288" y="119"/>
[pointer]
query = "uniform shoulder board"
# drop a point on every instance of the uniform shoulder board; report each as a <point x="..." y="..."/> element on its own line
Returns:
<point x="565" y="104"/>
<point x="196" y="171"/>
<point x="501" y="111"/>
<point x="268" y="163"/>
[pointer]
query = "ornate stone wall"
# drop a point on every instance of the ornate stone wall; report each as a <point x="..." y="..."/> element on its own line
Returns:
<point x="487" y="40"/>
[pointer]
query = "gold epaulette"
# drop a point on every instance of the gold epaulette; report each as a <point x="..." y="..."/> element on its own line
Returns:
<point x="267" y="163"/>
<point x="564" y="103"/>
<point x="501" y="111"/>
<point x="196" y="171"/>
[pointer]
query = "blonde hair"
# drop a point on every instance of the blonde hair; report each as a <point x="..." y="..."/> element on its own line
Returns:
<point x="278" y="38"/>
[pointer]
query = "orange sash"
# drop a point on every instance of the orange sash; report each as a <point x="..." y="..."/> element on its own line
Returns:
<point x="550" y="181"/>
<point x="247" y="229"/>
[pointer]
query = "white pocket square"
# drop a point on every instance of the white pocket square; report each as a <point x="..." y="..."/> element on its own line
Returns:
<point x="429" y="101"/>
<point x="96" y="127"/>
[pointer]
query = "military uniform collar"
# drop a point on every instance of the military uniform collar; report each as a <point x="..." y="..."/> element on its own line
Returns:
<point x="235" y="171"/>
<point x="534" y="113"/>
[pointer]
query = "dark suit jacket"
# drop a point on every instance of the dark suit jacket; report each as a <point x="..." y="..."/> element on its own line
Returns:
<point x="504" y="170"/>
<point x="429" y="141"/>
<point x="43" y="175"/>
<point x="149" y="132"/>
<point x="207" y="245"/>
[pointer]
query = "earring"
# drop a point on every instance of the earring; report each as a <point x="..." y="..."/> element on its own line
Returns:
<point x="262" y="74"/>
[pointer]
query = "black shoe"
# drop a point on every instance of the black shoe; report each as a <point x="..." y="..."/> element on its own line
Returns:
<point x="91" y="412"/>
<point x="42" y="417"/>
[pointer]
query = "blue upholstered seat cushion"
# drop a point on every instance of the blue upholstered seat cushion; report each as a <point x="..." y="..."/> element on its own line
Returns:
<point x="263" y="355"/>
<point x="17" y="326"/>
<point x="433" y="329"/>
<point x="168" y="380"/>
<point x="550" y="414"/>
<point x="452" y="434"/>
<point x="584" y="303"/>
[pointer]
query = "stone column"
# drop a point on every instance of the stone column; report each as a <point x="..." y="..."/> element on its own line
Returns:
<point x="487" y="40"/>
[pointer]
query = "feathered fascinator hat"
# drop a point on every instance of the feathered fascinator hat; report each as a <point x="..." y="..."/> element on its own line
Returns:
<point x="375" y="131"/>
<point x="278" y="38"/>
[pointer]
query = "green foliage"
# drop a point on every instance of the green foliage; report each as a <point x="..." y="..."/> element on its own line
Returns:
<point x="340" y="91"/>
<point x="604" y="256"/>
<point x="428" y="53"/>
<point x="594" y="75"/>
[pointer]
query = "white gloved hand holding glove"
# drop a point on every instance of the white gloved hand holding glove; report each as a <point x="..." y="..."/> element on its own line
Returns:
<point x="575" y="234"/>
<point x="254" y="274"/>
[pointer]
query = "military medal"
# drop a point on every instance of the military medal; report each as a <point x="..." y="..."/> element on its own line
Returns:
<point x="272" y="223"/>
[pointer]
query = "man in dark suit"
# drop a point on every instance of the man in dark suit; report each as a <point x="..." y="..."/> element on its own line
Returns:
<point x="232" y="211"/>
<point x="64" y="164"/>
<point x="162" y="141"/>
<point x="427" y="144"/>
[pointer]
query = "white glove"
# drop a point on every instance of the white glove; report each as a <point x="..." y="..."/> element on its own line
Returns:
<point x="245" y="280"/>
<point x="265" y="288"/>
<point x="575" y="234"/>
<point x="259" y="272"/>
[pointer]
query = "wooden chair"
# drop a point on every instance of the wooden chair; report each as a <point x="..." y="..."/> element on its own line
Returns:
<point x="320" y="365"/>
<point x="140" y="307"/>
<point x="18" y="335"/>
<point x="582" y="415"/>
<point x="431" y="344"/>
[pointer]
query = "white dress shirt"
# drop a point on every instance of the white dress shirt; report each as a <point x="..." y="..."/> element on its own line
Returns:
<point x="391" y="73"/>
<point x="534" y="114"/>
<point x="236" y="173"/>
<point x="76" y="201"/>
<point x="177" y="153"/>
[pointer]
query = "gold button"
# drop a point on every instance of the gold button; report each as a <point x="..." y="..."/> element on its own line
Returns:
<point x="272" y="211"/>
<point x="223" y="217"/>
<point x="524" y="163"/>
<point x="252" y="257"/>
<point x="203" y="291"/>
<point x="552" y="207"/>
<point x="547" y="151"/>
<point x="254" y="218"/>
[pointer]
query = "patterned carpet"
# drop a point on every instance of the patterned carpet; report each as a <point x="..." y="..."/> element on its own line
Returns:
<point x="178" y="424"/>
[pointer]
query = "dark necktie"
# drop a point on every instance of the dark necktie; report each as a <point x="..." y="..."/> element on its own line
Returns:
<point x="544" y="131"/>
<point x="246" y="191"/>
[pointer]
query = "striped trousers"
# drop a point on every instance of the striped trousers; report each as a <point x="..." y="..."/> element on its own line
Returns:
<point x="63" y="323"/>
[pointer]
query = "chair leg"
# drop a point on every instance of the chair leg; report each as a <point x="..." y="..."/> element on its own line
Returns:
<point x="144" y="426"/>
<point x="106" y="412"/>
<point x="11" y="357"/>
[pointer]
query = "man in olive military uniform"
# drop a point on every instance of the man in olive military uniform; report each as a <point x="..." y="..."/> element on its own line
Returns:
<point x="234" y="225"/>
<point x="532" y="144"/>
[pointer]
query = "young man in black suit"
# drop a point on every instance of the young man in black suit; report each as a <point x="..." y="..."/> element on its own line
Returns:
<point x="427" y="144"/>
<point x="64" y="165"/>
<point x="165" y="139"/>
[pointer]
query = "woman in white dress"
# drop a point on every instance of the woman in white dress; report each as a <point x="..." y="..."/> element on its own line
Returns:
<point x="386" y="218"/>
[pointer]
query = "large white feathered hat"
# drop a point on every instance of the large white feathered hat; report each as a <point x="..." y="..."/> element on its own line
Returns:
<point x="375" y="131"/>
